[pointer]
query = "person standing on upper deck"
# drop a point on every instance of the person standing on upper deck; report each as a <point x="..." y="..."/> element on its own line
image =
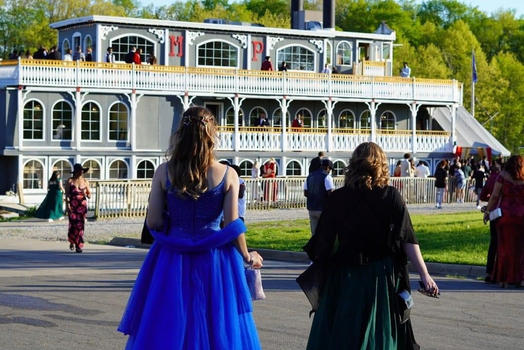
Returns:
<point x="110" y="57"/>
<point x="405" y="71"/>
<point x="267" y="65"/>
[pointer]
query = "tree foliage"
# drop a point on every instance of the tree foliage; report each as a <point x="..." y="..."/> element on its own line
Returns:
<point x="436" y="37"/>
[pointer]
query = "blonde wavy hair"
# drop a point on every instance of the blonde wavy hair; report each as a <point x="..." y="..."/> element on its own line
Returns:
<point x="368" y="167"/>
<point x="191" y="152"/>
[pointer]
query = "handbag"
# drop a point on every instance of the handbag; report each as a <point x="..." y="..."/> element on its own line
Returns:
<point x="311" y="282"/>
<point x="497" y="212"/>
<point x="254" y="283"/>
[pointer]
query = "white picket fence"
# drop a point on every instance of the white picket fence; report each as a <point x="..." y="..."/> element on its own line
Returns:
<point x="129" y="198"/>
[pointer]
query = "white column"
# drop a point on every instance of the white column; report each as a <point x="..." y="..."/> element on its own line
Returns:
<point x="413" y="107"/>
<point x="20" y="116"/>
<point x="282" y="167"/>
<point x="284" y="104"/>
<point x="133" y="104"/>
<point x="78" y="118"/>
<point x="236" y="134"/>
<point x="132" y="167"/>
<point x="453" y="110"/>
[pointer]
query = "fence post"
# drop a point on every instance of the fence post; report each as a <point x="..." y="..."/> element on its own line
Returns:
<point x="97" y="201"/>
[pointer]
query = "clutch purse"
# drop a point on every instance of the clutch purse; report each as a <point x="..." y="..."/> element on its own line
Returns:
<point x="254" y="283"/>
<point x="495" y="214"/>
<point x="311" y="282"/>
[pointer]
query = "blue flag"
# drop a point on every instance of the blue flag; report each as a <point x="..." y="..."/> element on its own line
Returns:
<point x="473" y="67"/>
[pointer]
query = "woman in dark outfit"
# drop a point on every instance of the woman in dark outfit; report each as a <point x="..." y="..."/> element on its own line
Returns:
<point x="363" y="240"/>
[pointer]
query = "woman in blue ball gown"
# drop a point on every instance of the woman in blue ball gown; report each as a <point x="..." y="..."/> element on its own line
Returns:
<point x="191" y="292"/>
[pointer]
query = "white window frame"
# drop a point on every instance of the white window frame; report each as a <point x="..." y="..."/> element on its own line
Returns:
<point x="79" y="36"/>
<point x="44" y="176"/>
<point x="85" y="43"/>
<point x="323" y="110"/>
<point x="315" y="58"/>
<point x="310" y="113"/>
<point x="251" y="111"/>
<point x="43" y="121"/>
<point x="327" y="44"/>
<point x="142" y="161"/>
<point x="99" y="123"/>
<point x="215" y="40"/>
<point x="240" y="116"/>
<point x="278" y="109"/>
<point x="335" y="162"/>
<point x="72" y="119"/>
<point x="109" y="122"/>
<point x="108" y="175"/>
<point x="394" y="120"/>
<point x="64" y="51"/>
<point x="350" y="49"/>
<point x="101" y="177"/>
<point x="220" y="109"/>
<point x="354" y="118"/>
<point x="357" y="49"/>
<point x="360" y="120"/>
<point x="249" y="161"/>
<point x="133" y="34"/>
<point x="299" y="166"/>
<point x="55" y="161"/>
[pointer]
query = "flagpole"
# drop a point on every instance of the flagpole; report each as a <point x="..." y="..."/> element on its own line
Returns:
<point x="473" y="81"/>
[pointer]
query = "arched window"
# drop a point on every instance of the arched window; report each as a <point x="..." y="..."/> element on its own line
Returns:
<point x="90" y="121"/>
<point x="145" y="170"/>
<point x="94" y="169"/>
<point x="64" y="168"/>
<point x="65" y="46"/>
<point x="387" y="121"/>
<point x="293" y="168"/>
<point x="329" y="50"/>
<point x="338" y="168"/>
<point x="118" y="122"/>
<point x="306" y="117"/>
<point x="365" y="120"/>
<point x="33" y="121"/>
<point x="245" y="168"/>
<point x="118" y="170"/>
<point x="297" y="58"/>
<point x="322" y="119"/>
<point x="121" y="47"/>
<point x="217" y="54"/>
<point x="33" y="174"/>
<point x="346" y="119"/>
<point x="230" y="117"/>
<point x="344" y="53"/>
<point x="277" y="117"/>
<point x="88" y="42"/>
<point x="62" y="121"/>
<point x="255" y="114"/>
<point x="77" y="39"/>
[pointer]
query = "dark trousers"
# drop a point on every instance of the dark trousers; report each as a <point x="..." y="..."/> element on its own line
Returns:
<point x="492" y="250"/>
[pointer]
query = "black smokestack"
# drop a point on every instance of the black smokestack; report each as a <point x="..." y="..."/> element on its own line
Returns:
<point x="328" y="14"/>
<point x="297" y="14"/>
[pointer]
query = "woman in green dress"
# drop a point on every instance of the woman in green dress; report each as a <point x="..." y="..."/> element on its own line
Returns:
<point x="362" y="243"/>
<point x="52" y="208"/>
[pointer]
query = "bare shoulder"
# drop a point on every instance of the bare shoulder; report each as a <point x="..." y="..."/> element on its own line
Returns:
<point x="161" y="173"/>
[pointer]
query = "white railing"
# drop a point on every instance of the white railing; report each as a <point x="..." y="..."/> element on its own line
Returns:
<point x="130" y="198"/>
<point x="314" y="139"/>
<point x="198" y="81"/>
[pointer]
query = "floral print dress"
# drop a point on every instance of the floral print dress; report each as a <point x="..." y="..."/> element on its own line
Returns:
<point x="77" y="216"/>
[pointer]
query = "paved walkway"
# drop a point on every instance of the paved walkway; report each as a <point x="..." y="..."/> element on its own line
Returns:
<point x="105" y="230"/>
<point x="53" y="299"/>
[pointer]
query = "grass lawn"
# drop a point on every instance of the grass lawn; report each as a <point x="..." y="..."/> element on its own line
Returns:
<point x="457" y="238"/>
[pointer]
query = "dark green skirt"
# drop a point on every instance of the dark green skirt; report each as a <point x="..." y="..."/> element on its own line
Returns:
<point x="52" y="206"/>
<point x="356" y="311"/>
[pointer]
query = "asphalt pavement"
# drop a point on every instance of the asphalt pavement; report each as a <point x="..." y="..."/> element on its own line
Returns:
<point x="51" y="298"/>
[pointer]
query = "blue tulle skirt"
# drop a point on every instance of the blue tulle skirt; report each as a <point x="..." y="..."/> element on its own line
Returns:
<point x="191" y="294"/>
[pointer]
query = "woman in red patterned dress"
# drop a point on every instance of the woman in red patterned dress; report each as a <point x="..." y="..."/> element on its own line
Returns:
<point x="77" y="193"/>
<point x="508" y="195"/>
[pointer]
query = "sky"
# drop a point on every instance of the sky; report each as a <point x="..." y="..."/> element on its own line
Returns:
<point x="487" y="6"/>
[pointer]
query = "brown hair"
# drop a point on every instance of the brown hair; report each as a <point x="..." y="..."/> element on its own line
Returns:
<point x="515" y="167"/>
<point x="190" y="152"/>
<point x="368" y="167"/>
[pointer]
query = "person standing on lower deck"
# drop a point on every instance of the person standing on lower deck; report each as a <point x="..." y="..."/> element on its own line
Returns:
<point x="317" y="187"/>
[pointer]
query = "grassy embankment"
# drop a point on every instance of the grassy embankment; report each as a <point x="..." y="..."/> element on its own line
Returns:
<point x="458" y="238"/>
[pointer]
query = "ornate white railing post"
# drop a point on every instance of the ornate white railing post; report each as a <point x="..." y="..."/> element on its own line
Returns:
<point x="186" y="101"/>
<point x="373" y="107"/>
<point x="237" y="103"/>
<point x="133" y="104"/>
<point x="413" y="89"/>
<point x="453" y="109"/>
<point x="284" y="104"/>
<point x="330" y="106"/>
<point x="413" y="107"/>
<point x="78" y="99"/>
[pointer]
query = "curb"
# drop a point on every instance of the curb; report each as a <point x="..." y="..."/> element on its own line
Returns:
<point x="471" y="271"/>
